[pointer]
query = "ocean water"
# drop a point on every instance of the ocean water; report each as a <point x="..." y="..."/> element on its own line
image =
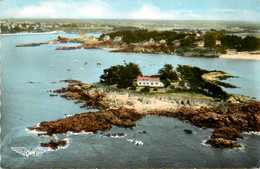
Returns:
<point x="29" y="72"/>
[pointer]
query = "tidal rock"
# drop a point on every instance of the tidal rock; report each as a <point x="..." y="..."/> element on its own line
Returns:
<point x="187" y="131"/>
<point x="221" y="143"/>
<point x="55" y="145"/>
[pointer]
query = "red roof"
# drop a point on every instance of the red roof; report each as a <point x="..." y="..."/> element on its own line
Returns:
<point x="147" y="78"/>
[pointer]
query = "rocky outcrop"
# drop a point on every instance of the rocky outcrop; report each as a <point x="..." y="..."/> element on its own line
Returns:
<point x="140" y="48"/>
<point x="228" y="121"/>
<point x="221" y="143"/>
<point x="28" y="44"/>
<point x="69" y="47"/>
<point x="91" y="121"/>
<point x="103" y="45"/>
<point x="55" y="145"/>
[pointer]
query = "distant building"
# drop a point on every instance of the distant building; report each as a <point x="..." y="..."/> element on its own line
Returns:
<point x="151" y="41"/>
<point x="218" y="42"/>
<point x="231" y="51"/>
<point x="106" y="38"/>
<point x="176" y="43"/>
<point x="82" y="36"/>
<point x="200" y="43"/>
<point x="149" y="81"/>
<point x="92" y="38"/>
<point x="162" y="41"/>
<point x="118" y="38"/>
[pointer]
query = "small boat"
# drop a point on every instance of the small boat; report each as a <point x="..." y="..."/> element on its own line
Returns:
<point x="99" y="64"/>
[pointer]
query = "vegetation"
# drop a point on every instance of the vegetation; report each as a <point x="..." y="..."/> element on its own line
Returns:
<point x="230" y="41"/>
<point x="193" y="76"/>
<point x="69" y="25"/>
<point x="123" y="76"/>
<point x="167" y="72"/>
<point x="146" y="89"/>
<point x="142" y="35"/>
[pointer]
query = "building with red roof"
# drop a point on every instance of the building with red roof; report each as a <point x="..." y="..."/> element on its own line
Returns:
<point x="149" y="81"/>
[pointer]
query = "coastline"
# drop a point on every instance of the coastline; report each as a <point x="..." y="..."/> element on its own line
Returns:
<point x="228" y="119"/>
<point x="30" y="33"/>
<point x="242" y="55"/>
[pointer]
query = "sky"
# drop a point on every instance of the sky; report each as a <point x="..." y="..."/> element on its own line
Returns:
<point x="239" y="10"/>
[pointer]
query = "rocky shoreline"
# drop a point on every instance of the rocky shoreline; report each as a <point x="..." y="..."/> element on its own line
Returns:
<point x="115" y="46"/>
<point x="228" y="119"/>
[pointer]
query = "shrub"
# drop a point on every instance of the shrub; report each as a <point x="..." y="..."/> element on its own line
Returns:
<point x="133" y="87"/>
<point x="146" y="89"/>
<point x="155" y="89"/>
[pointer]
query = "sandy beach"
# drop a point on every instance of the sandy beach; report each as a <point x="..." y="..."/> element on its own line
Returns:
<point x="241" y="55"/>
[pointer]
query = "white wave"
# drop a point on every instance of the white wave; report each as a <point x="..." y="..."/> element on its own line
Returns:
<point x="130" y="140"/>
<point x="252" y="132"/>
<point x="71" y="133"/>
<point x="68" y="116"/>
<point x="115" y="136"/>
<point x="32" y="131"/>
<point x="204" y="143"/>
<point x="139" y="143"/>
<point x="136" y="142"/>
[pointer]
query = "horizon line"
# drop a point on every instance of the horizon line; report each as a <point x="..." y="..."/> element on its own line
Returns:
<point x="136" y="19"/>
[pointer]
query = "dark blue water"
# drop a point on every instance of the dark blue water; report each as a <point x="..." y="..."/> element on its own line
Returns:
<point x="26" y="104"/>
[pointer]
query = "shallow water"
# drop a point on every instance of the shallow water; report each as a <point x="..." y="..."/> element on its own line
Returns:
<point x="26" y="104"/>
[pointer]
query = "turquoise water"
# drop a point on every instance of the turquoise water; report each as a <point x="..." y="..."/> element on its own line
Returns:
<point x="26" y="104"/>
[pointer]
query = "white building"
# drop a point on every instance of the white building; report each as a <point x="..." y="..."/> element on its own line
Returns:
<point x="118" y="38"/>
<point x="151" y="41"/>
<point x="92" y="38"/>
<point x="162" y="41"/>
<point x="200" y="43"/>
<point x="149" y="81"/>
<point x="106" y="38"/>
<point x="218" y="42"/>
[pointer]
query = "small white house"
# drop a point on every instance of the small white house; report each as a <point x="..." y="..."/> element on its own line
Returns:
<point x="151" y="41"/>
<point x="218" y="42"/>
<point x="82" y="36"/>
<point x="200" y="43"/>
<point x="162" y="41"/>
<point x="149" y="81"/>
<point x="118" y="38"/>
<point x="106" y="38"/>
<point x="92" y="38"/>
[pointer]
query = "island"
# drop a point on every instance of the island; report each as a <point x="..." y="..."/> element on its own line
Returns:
<point x="187" y="93"/>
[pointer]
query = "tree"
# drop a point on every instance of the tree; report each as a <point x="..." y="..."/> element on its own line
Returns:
<point x="167" y="72"/>
<point x="251" y="43"/>
<point x="123" y="76"/>
<point x="189" y="40"/>
<point x="210" y="40"/>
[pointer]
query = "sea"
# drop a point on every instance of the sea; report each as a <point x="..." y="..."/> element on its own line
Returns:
<point x="29" y="73"/>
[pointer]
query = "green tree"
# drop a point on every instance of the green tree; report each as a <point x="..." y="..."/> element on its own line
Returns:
<point x="210" y="40"/>
<point x="167" y="72"/>
<point x="123" y="76"/>
<point x="251" y="43"/>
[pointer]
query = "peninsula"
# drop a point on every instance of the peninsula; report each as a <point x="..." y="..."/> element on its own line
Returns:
<point x="211" y="44"/>
<point x="122" y="102"/>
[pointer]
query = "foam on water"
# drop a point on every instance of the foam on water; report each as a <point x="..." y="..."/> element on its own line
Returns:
<point x="71" y="133"/>
<point x="135" y="142"/>
<point x="252" y="132"/>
